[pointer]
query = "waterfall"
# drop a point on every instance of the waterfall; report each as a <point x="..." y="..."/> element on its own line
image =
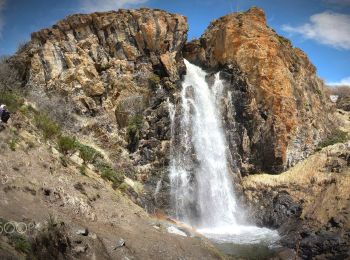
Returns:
<point x="201" y="182"/>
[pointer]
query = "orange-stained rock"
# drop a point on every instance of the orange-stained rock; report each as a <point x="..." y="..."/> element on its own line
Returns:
<point x="280" y="79"/>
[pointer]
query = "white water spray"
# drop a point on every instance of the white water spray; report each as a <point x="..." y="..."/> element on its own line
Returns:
<point x="201" y="181"/>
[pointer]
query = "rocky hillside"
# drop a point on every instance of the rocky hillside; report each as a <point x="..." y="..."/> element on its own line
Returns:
<point x="117" y="72"/>
<point x="278" y="103"/>
<point x="63" y="209"/>
<point x="106" y="79"/>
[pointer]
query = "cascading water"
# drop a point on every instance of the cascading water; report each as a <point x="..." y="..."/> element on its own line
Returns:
<point x="201" y="183"/>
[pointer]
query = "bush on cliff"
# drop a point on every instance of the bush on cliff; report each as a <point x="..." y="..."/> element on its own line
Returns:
<point x="66" y="144"/>
<point x="337" y="136"/>
<point x="49" y="127"/>
<point x="133" y="132"/>
<point x="154" y="81"/>
<point x="54" y="105"/>
<point x="11" y="99"/>
<point x="108" y="173"/>
<point x="88" y="153"/>
<point x="52" y="241"/>
<point x="9" y="85"/>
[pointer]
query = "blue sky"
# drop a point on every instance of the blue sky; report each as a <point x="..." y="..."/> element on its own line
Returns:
<point x="319" y="27"/>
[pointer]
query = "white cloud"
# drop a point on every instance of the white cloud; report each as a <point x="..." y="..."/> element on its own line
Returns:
<point x="107" y="5"/>
<point x="328" y="28"/>
<point x="342" y="82"/>
<point x="2" y="22"/>
<point x="339" y="2"/>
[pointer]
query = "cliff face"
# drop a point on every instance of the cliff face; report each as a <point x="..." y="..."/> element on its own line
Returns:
<point x="120" y="69"/>
<point x="117" y="69"/>
<point x="279" y="102"/>
<point x="82" y="50"/>
<point x="105" y="61"/>
<point x="116" y="72"/>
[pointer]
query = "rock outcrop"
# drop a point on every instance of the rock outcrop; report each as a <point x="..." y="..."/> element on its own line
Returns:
<point x="107" y="63"/>
<point x="343" y="103"/>
<point x="279" y="104"/>
<point x="116" y="72"/>
<point x="119" y="69"/>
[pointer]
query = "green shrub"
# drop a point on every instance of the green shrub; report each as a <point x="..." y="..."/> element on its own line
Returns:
<point x="82" y="169"/>
<point x="108" y="173"/>
<point x="64" y="161"/>
<point x="52" y="241"/>
<point x="154" y="80"/>
<point x="21" y="243"/>
<point x="49" y="127"/>
<point x="66" y="144"/>
<point x="88" y="153"/>
<point x="135" y="123"/>
<point x="337" y="136"/>
<point x="24" y="109"/>
<point x="133" y="132"/>
<point x="123" y="187"/>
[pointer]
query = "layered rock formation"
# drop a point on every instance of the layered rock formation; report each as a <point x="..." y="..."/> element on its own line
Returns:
<point x="119" y="69"/>
<point x="278" y="101"/>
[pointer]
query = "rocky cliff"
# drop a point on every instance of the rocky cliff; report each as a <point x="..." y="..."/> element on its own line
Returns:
<point x="278" y="101"/>
<point x="115" y="73"/>
<point x="118" y="71"/>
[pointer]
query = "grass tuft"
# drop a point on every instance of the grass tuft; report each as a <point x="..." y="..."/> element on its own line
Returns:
<point x="49" y="127"/>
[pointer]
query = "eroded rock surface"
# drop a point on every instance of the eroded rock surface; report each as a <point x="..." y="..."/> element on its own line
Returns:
<point x="279" y="103"/>
<point x="119" y="71"/>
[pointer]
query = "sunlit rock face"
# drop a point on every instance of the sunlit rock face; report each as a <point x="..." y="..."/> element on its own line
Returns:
<point x="116" y="65"/>
<point x="279" y="102"/>
<point x="107" y="55"/>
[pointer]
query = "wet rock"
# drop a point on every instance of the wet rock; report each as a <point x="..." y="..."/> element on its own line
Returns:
<point x="286" y="254"/>
<point x="274" y="210"/>
<point x="324" y="244"/>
